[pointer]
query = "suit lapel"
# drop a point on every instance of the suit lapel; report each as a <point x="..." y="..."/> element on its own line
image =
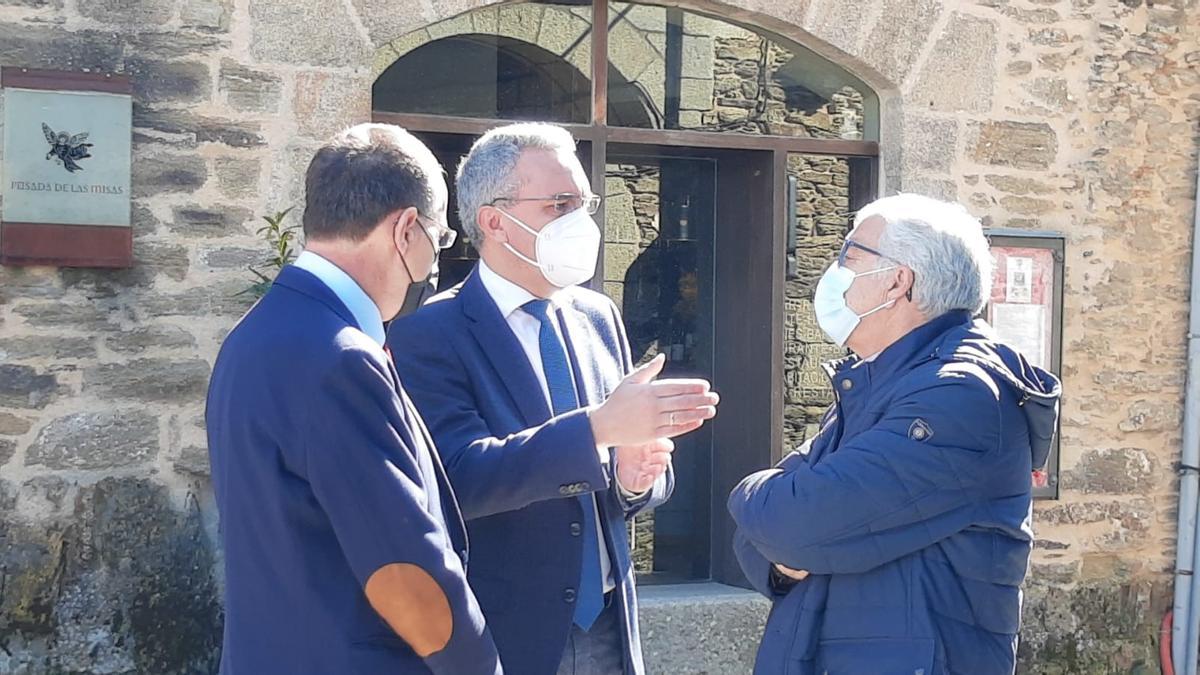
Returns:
<point x="497" y="341"/>
<point x="581" y="340"/>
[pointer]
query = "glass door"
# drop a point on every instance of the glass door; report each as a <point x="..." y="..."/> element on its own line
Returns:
<point x="659" y="241"/>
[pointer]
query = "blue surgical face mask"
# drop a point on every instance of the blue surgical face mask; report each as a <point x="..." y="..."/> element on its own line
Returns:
<point x="834" y="316"/>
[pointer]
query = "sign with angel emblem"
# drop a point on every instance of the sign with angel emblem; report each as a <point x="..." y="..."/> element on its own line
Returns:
<point x="66" y="182"/>
<point x="65" y="149"/>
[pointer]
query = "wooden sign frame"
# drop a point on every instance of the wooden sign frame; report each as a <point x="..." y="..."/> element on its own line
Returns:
<point x="1054" y="245"/>
<point x="65" y="245"/>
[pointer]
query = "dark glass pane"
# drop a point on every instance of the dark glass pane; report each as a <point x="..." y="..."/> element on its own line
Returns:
<point x="673" y="69"/>
<point x="658" y="267"/>
<point x="529" y="61"/>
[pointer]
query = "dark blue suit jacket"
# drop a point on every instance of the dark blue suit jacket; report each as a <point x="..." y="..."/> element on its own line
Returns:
<point x="517" y="470"/>
<point x="324" y="473"/>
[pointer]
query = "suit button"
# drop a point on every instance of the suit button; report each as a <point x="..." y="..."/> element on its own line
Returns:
<point x="576" y="529"/>
<point x="847" y="385"/>
<point x="569" y="596"/>
<point x="564" y="489"/>
<point x="584" y="487"/>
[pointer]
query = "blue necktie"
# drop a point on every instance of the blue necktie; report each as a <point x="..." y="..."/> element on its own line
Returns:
<point x="563" y="399"/>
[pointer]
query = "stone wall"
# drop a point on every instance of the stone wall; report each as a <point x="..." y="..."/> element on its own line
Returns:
<point x="108" y="556"/>
<point x="1071" y="115"/>
<point x="822" y="213"/>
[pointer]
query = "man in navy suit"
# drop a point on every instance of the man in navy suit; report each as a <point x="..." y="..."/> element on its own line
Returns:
<point x="344" y="549"/>
<point x="551" y="440"/>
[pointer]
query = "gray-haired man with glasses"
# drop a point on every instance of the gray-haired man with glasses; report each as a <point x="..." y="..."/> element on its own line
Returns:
<point x="896" y="539"/>
<point x="551" y="439"/>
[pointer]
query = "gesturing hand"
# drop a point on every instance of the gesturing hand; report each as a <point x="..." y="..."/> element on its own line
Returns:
<point x="641" y="410"/>
<point x="638" y="466"/>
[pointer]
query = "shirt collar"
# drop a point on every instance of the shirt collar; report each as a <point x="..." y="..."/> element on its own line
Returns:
<point x="509" y="297"/>
<point x="364" y="309"/>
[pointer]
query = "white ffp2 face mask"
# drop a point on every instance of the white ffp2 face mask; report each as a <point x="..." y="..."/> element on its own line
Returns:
<point x="834" y="316"/>
<point x="567" y="248"/>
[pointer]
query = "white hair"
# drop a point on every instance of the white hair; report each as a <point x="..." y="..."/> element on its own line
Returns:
<point x="486" y="173"/>
<point x="942" y="244"/>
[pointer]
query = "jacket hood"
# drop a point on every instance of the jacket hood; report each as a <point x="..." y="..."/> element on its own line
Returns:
<point x="1038" y="390"/>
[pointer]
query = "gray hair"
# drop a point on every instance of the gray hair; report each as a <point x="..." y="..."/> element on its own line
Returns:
<point x="942" y="244"/>
<point x="486" y="173"/>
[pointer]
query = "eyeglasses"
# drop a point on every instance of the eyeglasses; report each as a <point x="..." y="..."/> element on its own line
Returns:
<point x="564" y="202"/>
<point x="849" y="244"/>
<point x="444" y="237"/>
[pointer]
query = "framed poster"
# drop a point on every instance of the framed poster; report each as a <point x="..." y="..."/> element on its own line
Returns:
<point x="1025" y="310"/>
<point x="66" y="176"/>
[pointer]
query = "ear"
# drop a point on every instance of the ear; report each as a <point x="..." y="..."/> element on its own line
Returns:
<point x="902" y="284"/>
<point x="403" y="224"/>
<point x="491" y="222"/>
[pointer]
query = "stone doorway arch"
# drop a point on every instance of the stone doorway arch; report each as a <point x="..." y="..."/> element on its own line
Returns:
<point x="839" y="31"/>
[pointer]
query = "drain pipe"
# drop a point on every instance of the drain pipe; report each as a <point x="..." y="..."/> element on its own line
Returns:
<point x="1185" y="634"/>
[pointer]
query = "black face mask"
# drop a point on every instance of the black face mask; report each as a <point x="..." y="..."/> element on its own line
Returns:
<point x="419" y="291"/>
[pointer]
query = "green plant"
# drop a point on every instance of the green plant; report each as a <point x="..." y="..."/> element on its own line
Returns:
<point x="283" y="243"/>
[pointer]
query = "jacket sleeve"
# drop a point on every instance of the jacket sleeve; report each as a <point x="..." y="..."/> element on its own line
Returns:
<point x="754" y="565"/>
<point x="490" y="475"/>
<point x="368" y="480"/>
<point x="886" y="492"/>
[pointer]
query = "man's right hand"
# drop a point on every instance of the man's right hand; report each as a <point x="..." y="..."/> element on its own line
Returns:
<point x="641" y="410"/>
<point x="794" y="575"/>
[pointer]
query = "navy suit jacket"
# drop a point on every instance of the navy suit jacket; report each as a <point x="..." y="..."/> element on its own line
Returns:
<point x="324" y="473"/>
<point x="516" y="469"/>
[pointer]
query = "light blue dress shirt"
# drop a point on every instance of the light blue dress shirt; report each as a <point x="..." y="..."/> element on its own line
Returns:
<point x="364" y="309"/>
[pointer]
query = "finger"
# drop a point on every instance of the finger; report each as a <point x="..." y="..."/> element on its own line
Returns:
<point x="688" y="402"/>
<point x="662" y="445"/>
<point x="657" y="459"/>
<point x="678" y="387"/>
<point x="798" y="575"/>
<point x="671" y="431"/>
<point x="654" y="469"/>
<point x="654" y="455"/>
<point x="678" y="417"/>
<point x="784" y="569"/>
<point x="647" y="371"/>
<point x="657" y="445"/>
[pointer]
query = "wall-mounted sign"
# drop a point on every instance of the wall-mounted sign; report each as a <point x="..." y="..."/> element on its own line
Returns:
<point x="66" y="171"/>
<point x="1026" y="311"/>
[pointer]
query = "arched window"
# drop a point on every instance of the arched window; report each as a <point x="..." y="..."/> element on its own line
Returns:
<point x="730" y="160"/>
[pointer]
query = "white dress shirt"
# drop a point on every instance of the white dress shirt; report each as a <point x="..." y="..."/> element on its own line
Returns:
<point x="509" y="299"/>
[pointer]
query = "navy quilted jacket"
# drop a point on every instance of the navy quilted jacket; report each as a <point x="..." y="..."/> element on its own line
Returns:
<point x="910" y="509"/>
